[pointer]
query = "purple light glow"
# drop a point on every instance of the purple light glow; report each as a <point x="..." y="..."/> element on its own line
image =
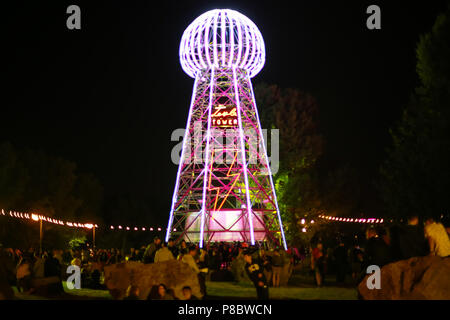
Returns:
<point x="244" y="162"/>
<point x="223" y="49"/>
<point x="218" y="37"/>
<point x="177" y="182"/>
<point x="270" y="171"/>
<point x="205" y="170"/>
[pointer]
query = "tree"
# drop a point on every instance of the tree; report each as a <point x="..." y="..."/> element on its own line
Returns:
<point x="414" y="177"/>
<point x="90" y="192"/>
<point x="13" y="178"/>
<point x="340" y="191"/>
<point x="32" y="181"/>
<point x="295" y="114"/>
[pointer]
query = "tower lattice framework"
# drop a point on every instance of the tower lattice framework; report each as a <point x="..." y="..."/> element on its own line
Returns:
<point x="224" y="189"/>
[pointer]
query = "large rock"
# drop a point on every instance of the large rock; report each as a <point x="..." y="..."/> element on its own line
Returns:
<point x="418" y="278"/>
<point x="173" y="274"/>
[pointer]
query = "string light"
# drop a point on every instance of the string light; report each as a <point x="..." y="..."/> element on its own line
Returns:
<point x="355" y="220"/>
<point x="37" y="217"/>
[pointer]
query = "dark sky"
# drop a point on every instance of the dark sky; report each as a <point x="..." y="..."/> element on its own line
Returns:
<point x="109" y="95"/>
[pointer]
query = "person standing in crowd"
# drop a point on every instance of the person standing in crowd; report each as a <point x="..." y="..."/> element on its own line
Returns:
<point x="24" y="276"/>
<point x="182" y="250"/>
<point x="377" y="251"/>
<point x="149" y="254"/>
<point x="266" y="261"/>
<point x="173" y="248"/>
<point x="190" y="260"/>
<point x="438" y="239"/>
<point x="133" y="255"/>
<point x="52" y="266"/>
<point x="256" y="274"/>
<point x="277" y="266"/>
<point x="411" y="240"/>
<point x="341" y="260"/>
<point x="7" y="275"/>
<point x="318" y="264"/>
<point x="38" y="265"/>
<point x="214" y="259"/>
<point x="163" y="254"/>
<point x="202" y="263"/>
<point x="356" y="257"/>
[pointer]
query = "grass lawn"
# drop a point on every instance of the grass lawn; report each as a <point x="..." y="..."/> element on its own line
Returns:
<point x="247" y="291"/>
<point x="301" y="287"/>
<point x="220" y="291"/>
<point x="75" y="294"/>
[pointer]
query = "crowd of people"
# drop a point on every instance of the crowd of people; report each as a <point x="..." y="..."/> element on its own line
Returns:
<point x="263" y="266"/>
<point x="382" y="246"/>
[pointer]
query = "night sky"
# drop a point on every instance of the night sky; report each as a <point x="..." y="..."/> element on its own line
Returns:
<point x="108" y="96"/>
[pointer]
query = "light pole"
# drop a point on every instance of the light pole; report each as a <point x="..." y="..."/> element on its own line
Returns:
<point x="93" y="237"/>
<point x="40" y="236"/>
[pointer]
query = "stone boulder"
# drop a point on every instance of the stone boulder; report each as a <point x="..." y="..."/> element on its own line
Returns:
<point x="173" y="274"/>
<point x="418" y="278"/>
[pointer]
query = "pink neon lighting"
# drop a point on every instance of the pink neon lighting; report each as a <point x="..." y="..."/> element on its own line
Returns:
<point x="225" y="45"/>
<point x="205" y="170"/>
<point x="268" y="168"/>
<point x="230" y="220"/>
<point x="195" y="47"/>
<point x="244" y="162"/>
<point x="177" y="183"/>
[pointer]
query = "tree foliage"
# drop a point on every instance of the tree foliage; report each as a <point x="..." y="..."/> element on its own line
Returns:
<point x="32" y="181"/>
<point x="415" y="175"/>
<point x="295" y="114"/>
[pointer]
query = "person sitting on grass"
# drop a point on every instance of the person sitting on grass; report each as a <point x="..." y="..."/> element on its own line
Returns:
<point x="187" y="294"/>
<point x="132" y="293"/>
<point x="159" y="292"/>
<point x="437" y="237"/>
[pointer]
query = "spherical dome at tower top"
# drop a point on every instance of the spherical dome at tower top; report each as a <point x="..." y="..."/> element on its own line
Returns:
<point x="222" y="38"/>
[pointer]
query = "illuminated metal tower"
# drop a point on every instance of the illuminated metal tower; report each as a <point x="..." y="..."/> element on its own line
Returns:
<point x="224" y="189"/>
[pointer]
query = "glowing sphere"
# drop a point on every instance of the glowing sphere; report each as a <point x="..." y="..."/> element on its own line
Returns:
<point x="222" y="38"/>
